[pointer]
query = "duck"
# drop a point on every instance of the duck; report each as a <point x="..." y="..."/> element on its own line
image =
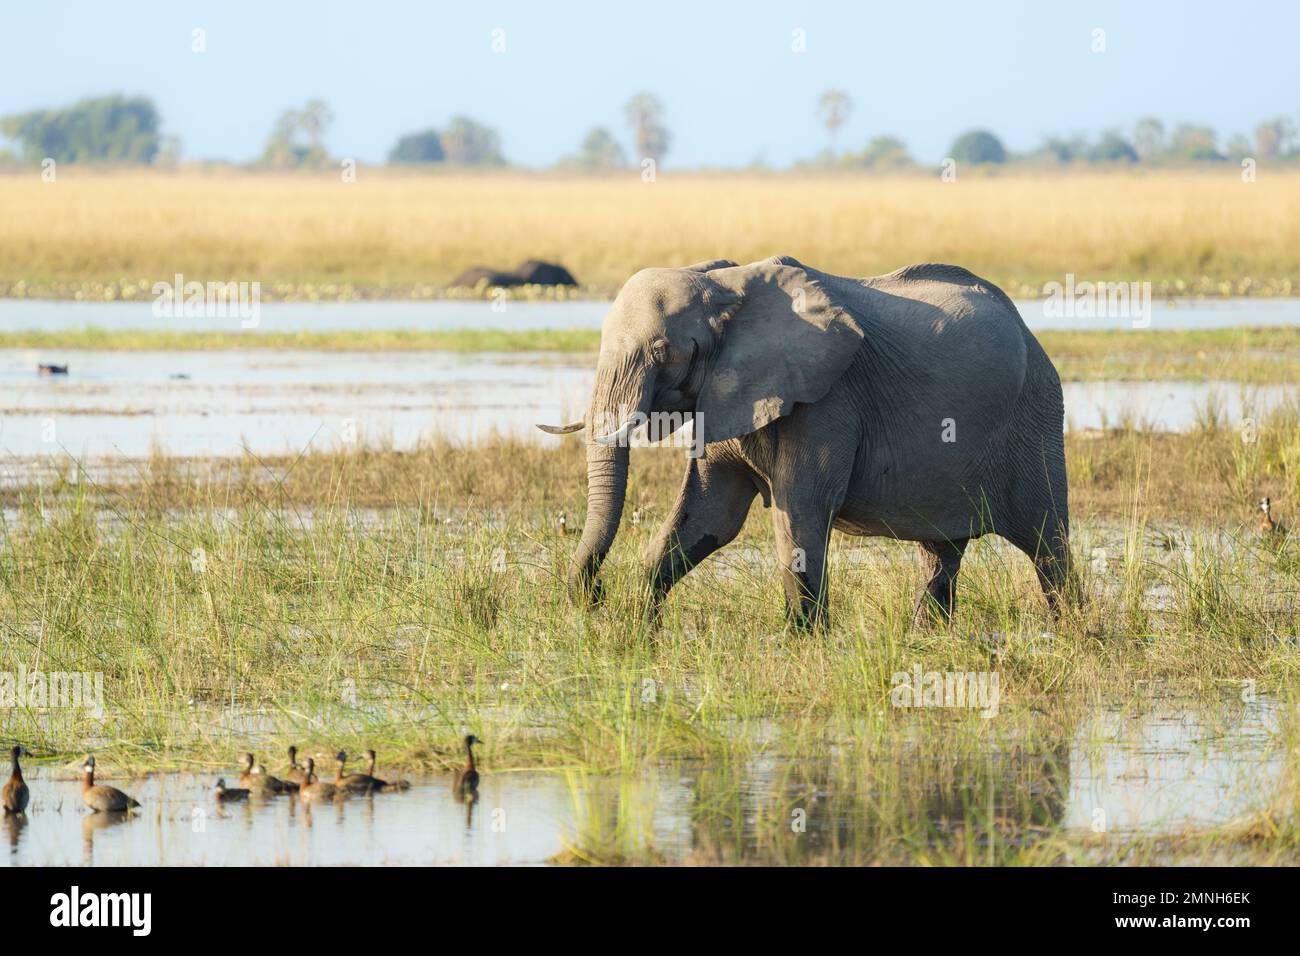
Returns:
<point x="226" y="794"/>
<point x="44" y="369"/>
<point x="1267" y="525"/>
<point x="16" y="794"/>
<point x="355" y="782"/>
<point x="562" y="523"/>
<point x="255" y="778"/>
<point x="295" y="774"/>
<point x="311" y="790"/>
<point x="465" y="784"/>
<point x="390" y="784"/>
<point x="637" y="516"/>
<point x="101" y="798"/>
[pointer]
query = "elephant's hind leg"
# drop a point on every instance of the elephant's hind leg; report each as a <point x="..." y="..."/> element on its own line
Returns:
<point x="939" y="599"/>
<point x="710" y="511"/>
<point x="1050" y="552"/>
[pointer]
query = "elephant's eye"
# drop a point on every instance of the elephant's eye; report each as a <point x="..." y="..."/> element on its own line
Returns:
<point x="690" y="366"/>
<point x="659" y="350"/>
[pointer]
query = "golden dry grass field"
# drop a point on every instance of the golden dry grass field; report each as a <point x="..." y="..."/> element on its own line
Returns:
<point x="93" y="233"/>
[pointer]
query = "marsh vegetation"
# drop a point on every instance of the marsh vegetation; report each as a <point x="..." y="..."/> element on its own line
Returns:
<point x="375" y="598"/>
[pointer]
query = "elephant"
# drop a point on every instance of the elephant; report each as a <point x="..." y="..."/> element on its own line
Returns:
<point x="529" y="272"/>
<point x="914" y="405"/>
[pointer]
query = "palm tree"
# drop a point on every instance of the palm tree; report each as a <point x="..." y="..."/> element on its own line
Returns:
<point x="645" y="114"/>
<point x="833" y="108"/>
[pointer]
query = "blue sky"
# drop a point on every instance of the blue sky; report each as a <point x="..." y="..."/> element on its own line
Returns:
<point x="732" y="87"/>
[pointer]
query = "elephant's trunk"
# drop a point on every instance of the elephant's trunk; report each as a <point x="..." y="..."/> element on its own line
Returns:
<point x="622" y="388"/>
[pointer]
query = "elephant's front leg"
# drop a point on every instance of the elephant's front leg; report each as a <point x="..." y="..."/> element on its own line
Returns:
<point x="808" y="489"/>
<point x="710" y="511"/>
<point x="802" y="539"/>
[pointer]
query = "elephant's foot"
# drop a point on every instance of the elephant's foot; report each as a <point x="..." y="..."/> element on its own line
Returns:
<point x="932" y="612"/>
<point x="587" y="592"/>
<point x="807" y="616"/>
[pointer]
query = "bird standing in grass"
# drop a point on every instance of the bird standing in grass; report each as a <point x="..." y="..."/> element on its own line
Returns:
<point x="16" y="794"/>
<point x="1267" y="525"/>
<point x="226" y="794"/>
<point x="101" y="798"/>
<point x="465" y="784"/>
<point x="562" y="523"/>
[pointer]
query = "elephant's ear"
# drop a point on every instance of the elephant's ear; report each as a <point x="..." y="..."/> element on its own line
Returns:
<point x="784" y="339"/>
<point x="711" y="265"/>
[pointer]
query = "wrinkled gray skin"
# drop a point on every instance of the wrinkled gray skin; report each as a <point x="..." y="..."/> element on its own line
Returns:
<point x="829" y="398"/>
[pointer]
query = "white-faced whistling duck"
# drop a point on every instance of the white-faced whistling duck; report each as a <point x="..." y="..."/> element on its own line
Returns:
<point x="562" y="523"/>
<point x="108" y="799"/>
<point x="354" y="782"/>
<point x="637" y="516"/>
<point x="387" y="784"/>
<point x="311" y="790"/>
<point x="16" y="793"/>
<point x="259" y="781"/>
<point x="465" y="783"/>
<point x="295" y="774"/>
<point x="1267" y="525"/>
<point x="226" y="794"/>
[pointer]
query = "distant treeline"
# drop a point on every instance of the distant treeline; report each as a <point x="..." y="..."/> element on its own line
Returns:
<point x="127" y="130"/>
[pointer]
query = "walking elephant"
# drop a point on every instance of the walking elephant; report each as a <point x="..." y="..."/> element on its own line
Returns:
<point x="914" y="405"/>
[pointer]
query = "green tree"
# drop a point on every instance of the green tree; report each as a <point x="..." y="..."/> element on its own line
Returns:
<point x="1149" y="138"/>
<point x="416" y="148"/>
<point x="1112" y="148"/>
<point x="107" y="129"/>
<point x="468" y="142"/>
<point x="599" y="150"/>
<point x="1273" y="138"/>
<point x="978" y="146"/>
<point x="1195" y="143"/>
<point x="297" y="139"/>
<point x="883" y="152"/>
<point x="833" y="109"/>
<point x="645" y="114"/>
<point x="1065" y="150"/>
<point x="1239" y="148"/>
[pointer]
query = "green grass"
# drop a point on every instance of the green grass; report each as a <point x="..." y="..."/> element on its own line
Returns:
<point x="228" y="610"/>
<point x="1268" y="355"/>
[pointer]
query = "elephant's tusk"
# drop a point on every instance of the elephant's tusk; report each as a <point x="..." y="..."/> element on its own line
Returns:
<point x="618" y="437"/>
<point x="562" y="429"/>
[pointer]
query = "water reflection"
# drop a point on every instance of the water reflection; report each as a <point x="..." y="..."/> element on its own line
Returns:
<point x="913" y="795"/>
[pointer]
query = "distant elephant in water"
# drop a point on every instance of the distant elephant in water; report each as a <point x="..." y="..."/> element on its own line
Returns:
<point x="529" y="272"/>
<point x="914" y="405"/>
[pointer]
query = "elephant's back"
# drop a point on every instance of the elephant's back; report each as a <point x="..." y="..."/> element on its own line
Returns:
<point x="952" y="328"/>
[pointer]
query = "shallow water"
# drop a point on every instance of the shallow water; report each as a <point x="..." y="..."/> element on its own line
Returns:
<point x="219" y="403"/>
<point x="1155" y="773"/>
<point x="276" y="402"/>
<point x="53" y="315"/>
